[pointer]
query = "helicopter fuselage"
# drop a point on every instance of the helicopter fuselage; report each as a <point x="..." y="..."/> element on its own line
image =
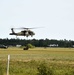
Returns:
<point x="23" y="33"/>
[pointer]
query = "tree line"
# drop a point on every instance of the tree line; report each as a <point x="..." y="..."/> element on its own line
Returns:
<point x="37" y="42"/>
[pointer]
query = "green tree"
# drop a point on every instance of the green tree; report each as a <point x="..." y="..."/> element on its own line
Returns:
<point x="30" y="46"/>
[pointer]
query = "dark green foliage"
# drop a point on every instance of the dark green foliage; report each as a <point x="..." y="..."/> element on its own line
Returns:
<point x="37" y="43"/>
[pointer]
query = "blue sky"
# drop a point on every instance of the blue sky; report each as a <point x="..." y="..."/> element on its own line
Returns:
<point x="55" y="16"/>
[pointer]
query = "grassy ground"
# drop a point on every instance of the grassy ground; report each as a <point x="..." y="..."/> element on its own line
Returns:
<point x="59" y="54"/>
<point x="61" y="60"/>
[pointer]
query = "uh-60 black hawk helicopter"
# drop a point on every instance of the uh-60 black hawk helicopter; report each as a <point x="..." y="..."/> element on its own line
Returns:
<point x="25" y="32"/>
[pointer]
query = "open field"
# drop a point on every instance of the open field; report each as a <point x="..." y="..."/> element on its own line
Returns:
<point x="59" y="54"/>
<point x="61" y="59"/>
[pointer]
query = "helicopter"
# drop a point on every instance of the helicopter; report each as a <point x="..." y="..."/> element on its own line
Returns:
<point x="25" y="32"/>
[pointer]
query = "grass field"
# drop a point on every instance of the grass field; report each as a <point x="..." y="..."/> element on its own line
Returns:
<point x="26" y="62"/>
<point x="59" y="54"/>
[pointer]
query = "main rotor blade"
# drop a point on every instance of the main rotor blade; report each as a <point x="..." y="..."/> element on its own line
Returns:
<point x="30" y="28"/>
<point x="27" y="28"/>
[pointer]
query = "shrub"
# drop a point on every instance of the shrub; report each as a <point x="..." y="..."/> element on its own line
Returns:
<point x="43" y="69"/>
<point x="30" y="46"/>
